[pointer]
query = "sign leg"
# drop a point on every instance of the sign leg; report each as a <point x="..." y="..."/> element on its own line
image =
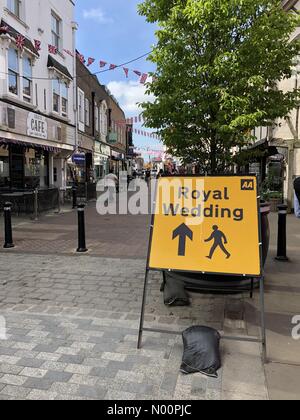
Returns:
<point x="263" y="319"/>
<point x="143" y="310"/>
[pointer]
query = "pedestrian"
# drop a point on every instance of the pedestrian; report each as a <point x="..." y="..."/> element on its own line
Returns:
<point x="297" y="197"/>
<point x="112" y="184"/>
<point x="148" y="176"/>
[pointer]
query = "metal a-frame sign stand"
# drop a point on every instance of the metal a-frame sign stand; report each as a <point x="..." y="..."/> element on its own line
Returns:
<point x="261" y="340"/>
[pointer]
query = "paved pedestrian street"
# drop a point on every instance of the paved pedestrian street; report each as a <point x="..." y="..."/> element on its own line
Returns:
<point x="72" y="324"/>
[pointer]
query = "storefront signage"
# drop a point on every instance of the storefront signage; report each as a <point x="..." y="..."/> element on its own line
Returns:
<point x="113" y="138"/>
<point x="79" y="158"/>
<point x="207" y="225"/>
<point x="37" y="126"/>
<point x="117" y="155"/>
<point x="105" y="150"/>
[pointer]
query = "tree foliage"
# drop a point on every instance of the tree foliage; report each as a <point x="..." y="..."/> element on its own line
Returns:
<point x="218" y="67"/>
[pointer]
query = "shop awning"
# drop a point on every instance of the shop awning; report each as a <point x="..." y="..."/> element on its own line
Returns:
<point x="54" y="64"/>
<point x="263" y="145"/>
<point x="7" y="142"/>
<point x="7" y="29"/>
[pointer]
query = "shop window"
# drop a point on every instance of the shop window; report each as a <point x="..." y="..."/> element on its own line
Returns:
<point x="27" y="79"/>
<point x="56" y="30"/>
<point x="13" y="71"/>
<point x="4" y="168"/>
<point x="36" y="169"/>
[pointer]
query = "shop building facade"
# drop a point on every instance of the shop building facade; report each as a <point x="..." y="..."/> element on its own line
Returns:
<point x="117" y="137"/>
<point x="281" y="141"/>
<point x="102" y="130"/>
<point x="37" y="125"/>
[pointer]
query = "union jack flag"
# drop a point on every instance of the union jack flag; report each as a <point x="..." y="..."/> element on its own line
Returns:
<point x="138" y="73"/>
<point x="20" y="42"/>
<point x="3" y="29"/>
<point x="126" y="71"/>
<point x="103" y="63"/>
<point x="52" y="49"/>
<point x="112" y="66"/>
<point x="37" y="45"/>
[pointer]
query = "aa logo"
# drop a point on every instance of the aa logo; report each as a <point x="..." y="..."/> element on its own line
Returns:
<point x="247" y="185"/>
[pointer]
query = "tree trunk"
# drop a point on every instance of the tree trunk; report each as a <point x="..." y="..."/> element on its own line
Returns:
<point x="213" y="157"/>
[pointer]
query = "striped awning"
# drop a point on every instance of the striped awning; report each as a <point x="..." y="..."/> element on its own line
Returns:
<point x="7" y="142"/>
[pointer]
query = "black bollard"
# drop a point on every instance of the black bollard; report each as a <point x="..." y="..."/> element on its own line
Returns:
<point x="8" y="228"/>
<point x="281" y="242"/>
<point x="81" y="230"/>
<point x="74" y="194"/>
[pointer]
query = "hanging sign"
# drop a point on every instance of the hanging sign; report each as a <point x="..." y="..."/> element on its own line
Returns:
<point x="207" y="225"/>
<point x="79" y="159"/>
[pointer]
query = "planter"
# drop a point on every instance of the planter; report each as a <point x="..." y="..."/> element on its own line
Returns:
<point x="198" y="282"/>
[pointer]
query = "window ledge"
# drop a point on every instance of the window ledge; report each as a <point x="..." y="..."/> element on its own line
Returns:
<point x="16" y="18"/>
<point x="18" y="101"/>
<point x="60" y="117"/>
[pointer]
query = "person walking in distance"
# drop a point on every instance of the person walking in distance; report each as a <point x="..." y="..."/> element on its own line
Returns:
<point x="297" y="197"/>
<point x="218" y="237"/>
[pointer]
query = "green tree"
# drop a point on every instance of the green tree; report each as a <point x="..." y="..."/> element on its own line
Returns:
<point x="218" y="67"/>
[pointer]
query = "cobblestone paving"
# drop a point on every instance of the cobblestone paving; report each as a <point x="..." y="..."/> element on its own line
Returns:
<point x="72" y="332"/>
<point x="121" y="236"/>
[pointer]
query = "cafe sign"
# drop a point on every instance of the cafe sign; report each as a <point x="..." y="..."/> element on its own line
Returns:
<point x="37" y="126"/>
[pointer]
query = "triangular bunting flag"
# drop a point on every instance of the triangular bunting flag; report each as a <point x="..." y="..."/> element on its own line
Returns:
<point x="103" y="63"/>
<point x="126" y="71"/>
<point x="90" y="61"/>
<point x="144" y="78"/>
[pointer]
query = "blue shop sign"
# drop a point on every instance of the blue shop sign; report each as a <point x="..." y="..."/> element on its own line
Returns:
<point x="79" y="159"/>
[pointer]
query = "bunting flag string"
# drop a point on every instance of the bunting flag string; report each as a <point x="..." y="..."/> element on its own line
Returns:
<point x="52" y="49"/>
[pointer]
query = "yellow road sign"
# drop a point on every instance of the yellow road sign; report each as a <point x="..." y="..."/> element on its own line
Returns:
<point x="206" y="224"/>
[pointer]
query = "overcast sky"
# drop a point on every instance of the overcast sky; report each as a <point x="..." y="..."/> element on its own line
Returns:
<point x="112" y="31"/>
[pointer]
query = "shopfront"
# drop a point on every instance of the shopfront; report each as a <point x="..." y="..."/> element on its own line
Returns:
<point x="101" y="160"/>
<point x="117" y="162"/>
<point x="33" y="151"/>
<point x="80" y="164"/>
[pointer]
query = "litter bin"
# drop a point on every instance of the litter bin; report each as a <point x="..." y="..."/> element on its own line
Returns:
<point x="194" y="281"/>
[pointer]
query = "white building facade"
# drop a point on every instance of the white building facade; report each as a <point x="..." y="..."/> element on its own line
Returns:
<point x="284" y="134"/>
<point x="37" y="113"/>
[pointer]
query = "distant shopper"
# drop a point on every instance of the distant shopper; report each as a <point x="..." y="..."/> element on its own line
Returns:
<point x="297" y="197"/>
<point x="148" y="176"/>
<point x="112" y="184"/>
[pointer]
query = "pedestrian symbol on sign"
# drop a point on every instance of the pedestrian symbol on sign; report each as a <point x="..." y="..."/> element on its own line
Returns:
<point x="218" y="237"/>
